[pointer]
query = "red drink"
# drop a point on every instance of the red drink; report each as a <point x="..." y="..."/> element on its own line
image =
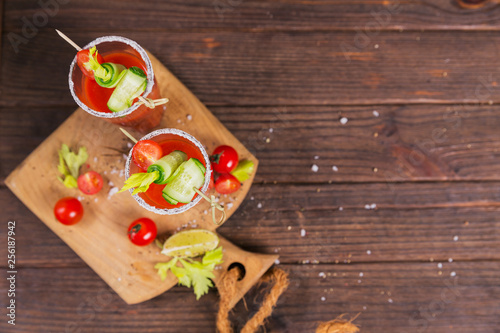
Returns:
<point x="93" y="98"/>
<point x="170" y="140"/>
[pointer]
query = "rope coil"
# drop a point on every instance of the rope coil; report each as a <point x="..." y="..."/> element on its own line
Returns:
<point x="214" y="205"/>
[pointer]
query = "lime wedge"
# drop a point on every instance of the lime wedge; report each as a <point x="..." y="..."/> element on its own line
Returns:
<point x="190" y="243"/>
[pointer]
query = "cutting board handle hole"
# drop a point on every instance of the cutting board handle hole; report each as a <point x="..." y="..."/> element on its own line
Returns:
<point x="241" y="267"/>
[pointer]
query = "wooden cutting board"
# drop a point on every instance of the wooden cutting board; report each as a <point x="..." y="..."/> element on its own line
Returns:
<point x="100" y="239"/>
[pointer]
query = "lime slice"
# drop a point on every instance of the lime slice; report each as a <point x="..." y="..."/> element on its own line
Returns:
<point x="190" y="243"/>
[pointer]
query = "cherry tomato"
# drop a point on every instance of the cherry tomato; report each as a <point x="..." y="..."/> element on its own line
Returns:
<point x="145" y="153"/>
<point x="82" y="58"/>
<point x="227" y="183"/>
<point x="68" y="210"/>
<point x="142" y="231"/>
<point x="90" y="182"/>
<point x="224" y="159"/>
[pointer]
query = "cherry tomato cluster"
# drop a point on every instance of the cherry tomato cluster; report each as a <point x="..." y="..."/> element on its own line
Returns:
<point x="224" y="160"/>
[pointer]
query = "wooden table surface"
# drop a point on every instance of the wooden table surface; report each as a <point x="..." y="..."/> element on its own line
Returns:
<point x="402" y="216"/>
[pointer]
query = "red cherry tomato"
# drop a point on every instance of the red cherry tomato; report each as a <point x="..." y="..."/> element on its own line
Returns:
<point x="82" y="58"/>
<point x="68" y="210"/>
<point x="227" y="183"/>
<point x="90" y="182"/>
<point x="142" y="231"/>
<point x="145" y="153"/>
<point x="224" y="159"/>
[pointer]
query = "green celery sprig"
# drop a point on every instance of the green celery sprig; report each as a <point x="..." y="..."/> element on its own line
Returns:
<point x="196" y="274"/>
<point x="140" y="181"/>
<point x="99" y="71"/>
<point x="69" y="165"/>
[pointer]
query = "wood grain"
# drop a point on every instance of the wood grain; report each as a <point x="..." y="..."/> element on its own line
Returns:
<point x="411" y="222"/>
<point x="420" y="67"/>
<point x="128" y="269"/>
<point x="402" y="143"/>
<point x="422" y="299"/>
<point x="257" y="15"/>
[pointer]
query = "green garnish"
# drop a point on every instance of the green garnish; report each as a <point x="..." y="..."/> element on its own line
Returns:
<point x="69" y="165"/>
<point x="243" y="170"/>
<point x="193" y="273"/>
<point x="140" y="181"/>
<point x="99" y="71"/>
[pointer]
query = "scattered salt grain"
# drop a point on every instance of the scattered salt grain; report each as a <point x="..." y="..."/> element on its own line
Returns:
<point x="119" y="279"/>
<point x="277" y="261"/>
<point x="314" y="168"/>
<point x="110" y="183"/>
<point x="341" y="208"/>
<point x="252" y="198"/>
<point x="455" y="238"/>
<point x="229" y="205"/>
<point x="450" y="260"/>
<point x="189" y="117"/>
<point x="129" y="144"/>
<point x="95" y="199"/>
<point x="375" y="113"/>
<point x="112" y="191"/>
<point x="205" y="212"/>
<point x="259" y="205"/>
<point x="453" y="274"/>
<point x="359" y="281"/>
<point x="80" y="198"/>
<point x="440" y="265"/>
<point x="289" y="227"/>
<point x="344" y="120"/>
<point x="323" y="298"/>
<point x="390" y="300"/>
<point x="95" y="159"/>
<point x="178" y="121"/>
<point x="316" y="157"/>
<point x="334" y="168"/>
<point x="371" y="206"/>
<point x="302" y="232"/>
<point x="361" y="274"/>
<point x="322" y="275"/>
<point x="364" y="307"/>
<point x="271" y="130"/>
<point x="368" y="252"/>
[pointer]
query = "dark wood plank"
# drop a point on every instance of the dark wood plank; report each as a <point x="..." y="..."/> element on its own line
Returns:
<point x="404" y="143"/>
<point x="399" y="297"/>
<point x="281" y="68"/>
<point x="158" y="15"/>
<point x="411" y="222"/>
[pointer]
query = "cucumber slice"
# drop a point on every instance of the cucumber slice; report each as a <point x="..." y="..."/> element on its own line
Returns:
<point x="117" y="71"/>
<point x="187" y="176"/>
<point x="131" y="85"/>
<point x="169" y="199"/>
<point x="200" y="165"/>
<point x="167" y="165"/>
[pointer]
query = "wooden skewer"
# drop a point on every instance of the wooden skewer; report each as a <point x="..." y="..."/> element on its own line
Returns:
<point x="66" y="38"/>
<point x="128" y="135"/>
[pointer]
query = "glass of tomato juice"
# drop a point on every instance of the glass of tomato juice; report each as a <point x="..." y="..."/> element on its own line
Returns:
<point x="170" y="139"/>
<point x="93" y="98"/>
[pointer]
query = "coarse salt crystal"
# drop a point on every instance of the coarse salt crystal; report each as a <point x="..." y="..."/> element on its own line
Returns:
<point x="453" y="274"/>
<point x="455" y="238"/>
<point x="361" y="274"/>
<point x="368" y="252"/>
<point x="129" y="144"/>
<point x="375" y="113"/>
<point x="323" y="298"/>
<point x="316" y="157"/>
<point x="334" y="168"/>
<point x="341" y="208"/>
<point x="95" y="159"/>
<point x="314" y="168"/>
<point x="112" y="191"/>
<point x="344" y="120"/>
<point x="259" y="205"/>
<point x="440" y="265"/>
<point x="322" y="274"/>
<point x="277" y="261"/>
<point x="450" y="260"/>
<point x="390" y="300"/>
<point x="189" y="117"/>
<point x="302" y="232"/>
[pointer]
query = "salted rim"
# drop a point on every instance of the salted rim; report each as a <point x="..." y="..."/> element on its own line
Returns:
<point x="208" y="173"/>
<point x="149" y="68"/>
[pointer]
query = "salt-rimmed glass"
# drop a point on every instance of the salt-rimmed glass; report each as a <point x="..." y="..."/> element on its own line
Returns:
<point x="138" y="117"/>
<point x="160" y="136"/>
